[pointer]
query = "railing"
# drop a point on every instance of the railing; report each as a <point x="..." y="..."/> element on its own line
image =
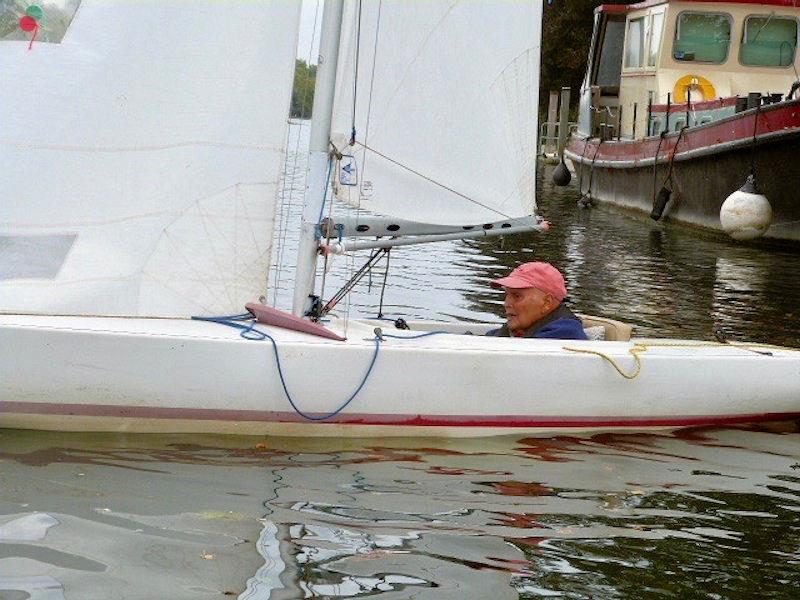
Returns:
<point x="548" y="137"/>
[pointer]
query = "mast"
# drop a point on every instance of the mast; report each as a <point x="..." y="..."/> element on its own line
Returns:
<point x="317" y="156"/>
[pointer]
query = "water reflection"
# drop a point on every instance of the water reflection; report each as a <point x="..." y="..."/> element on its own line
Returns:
<point x="600" y="516"/>
<point x="582" y="517"/>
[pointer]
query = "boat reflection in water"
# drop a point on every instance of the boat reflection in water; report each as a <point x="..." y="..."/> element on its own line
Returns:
<point x="599" y="516"/>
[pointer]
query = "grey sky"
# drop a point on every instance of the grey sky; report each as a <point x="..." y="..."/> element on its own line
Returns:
<point x="307" y="30"/>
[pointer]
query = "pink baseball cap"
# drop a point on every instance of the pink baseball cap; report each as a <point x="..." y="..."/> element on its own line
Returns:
<point x="540" y="275"/>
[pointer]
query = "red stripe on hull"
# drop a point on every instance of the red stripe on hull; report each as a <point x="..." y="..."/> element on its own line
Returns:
<point x="511" y="421"/>
<point x="783" y="117"/>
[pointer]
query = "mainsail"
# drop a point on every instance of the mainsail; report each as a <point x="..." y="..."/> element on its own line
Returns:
<point x="141" y="156"/>
<point x="443" y="98"/>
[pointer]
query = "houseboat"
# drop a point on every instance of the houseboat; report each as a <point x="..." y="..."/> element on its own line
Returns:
<point x="690" y="111"/>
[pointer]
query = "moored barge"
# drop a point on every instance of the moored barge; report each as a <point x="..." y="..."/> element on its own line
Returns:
<point x="682" y="102"/>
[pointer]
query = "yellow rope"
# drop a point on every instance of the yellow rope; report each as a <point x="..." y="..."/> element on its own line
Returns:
<point x="638" y="348"/>
<point x="635" y="350"/>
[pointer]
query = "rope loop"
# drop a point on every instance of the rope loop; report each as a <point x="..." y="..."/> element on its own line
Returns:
<point x="634" y="351"/>
<point x="247" y="326"/>
<point x="250" y="333"/>
<point x="638" y="348"/>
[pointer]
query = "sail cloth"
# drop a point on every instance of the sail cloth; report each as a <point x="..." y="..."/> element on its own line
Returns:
<point x="445" y="92"/>
<point x="140" y="157"/>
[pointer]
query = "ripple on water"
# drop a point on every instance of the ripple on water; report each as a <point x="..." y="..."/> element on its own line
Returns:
<point x="603" y="516"/>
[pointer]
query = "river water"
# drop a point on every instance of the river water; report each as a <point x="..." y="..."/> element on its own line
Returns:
<point x="699" y="513"/>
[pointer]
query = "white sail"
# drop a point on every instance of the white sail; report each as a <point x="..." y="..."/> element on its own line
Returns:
<point x="446" y="96"/>
<point x="140" y="156"/>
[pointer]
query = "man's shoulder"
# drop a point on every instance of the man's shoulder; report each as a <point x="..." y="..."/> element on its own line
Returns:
<point x="565" y="329"/>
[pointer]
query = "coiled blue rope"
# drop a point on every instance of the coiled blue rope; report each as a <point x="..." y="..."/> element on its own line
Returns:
<point x="249" y="332"/>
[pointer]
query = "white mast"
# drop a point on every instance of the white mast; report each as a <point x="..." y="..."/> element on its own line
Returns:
<point x="317" y="156"/>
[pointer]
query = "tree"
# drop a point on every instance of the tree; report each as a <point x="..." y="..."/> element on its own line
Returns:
<point x="303" y="92"/>
<point x="566" y="34"/>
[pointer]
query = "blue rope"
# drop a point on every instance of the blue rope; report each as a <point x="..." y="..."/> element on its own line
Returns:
<point x="249" y="332"/>
<point x="324" y="195"/>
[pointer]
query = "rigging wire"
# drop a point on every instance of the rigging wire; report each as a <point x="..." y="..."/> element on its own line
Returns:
<point x="383" y="287"/>
<point x="351" y="256"/>
<point x="285" y="210"/>
<point x="355" y="76"/>
<point x="434" y="182"/>
<point x="330" y="220"/>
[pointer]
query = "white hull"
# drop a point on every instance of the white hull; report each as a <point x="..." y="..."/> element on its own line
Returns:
<point x="172" y="375"/>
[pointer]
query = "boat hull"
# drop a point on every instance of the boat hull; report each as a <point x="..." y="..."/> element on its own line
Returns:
<point x="707" y="164"/>
<point x="181" y="376"/>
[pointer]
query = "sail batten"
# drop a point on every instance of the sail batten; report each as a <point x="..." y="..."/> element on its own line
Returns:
<point x="445" y="100"/>
<point x="153" y="134"/>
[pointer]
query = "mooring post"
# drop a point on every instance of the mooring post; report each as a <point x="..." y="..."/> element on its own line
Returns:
<point x="563" y="120"/>
<point x="550" y="145"/>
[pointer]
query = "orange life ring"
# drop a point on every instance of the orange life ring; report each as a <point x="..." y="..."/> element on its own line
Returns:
<point x="701" y="89"/>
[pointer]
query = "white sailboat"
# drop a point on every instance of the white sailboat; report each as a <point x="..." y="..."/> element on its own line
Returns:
<point x="141" y="151"/>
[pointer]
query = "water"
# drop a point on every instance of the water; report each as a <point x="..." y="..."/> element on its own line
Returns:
<point x="702" y="513"/>
<point x="666" y="281"/>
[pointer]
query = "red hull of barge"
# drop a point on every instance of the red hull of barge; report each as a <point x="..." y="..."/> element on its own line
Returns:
<point x="707" y="163"/>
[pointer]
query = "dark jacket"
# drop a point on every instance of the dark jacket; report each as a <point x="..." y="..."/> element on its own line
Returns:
<point x="560" y="324"/>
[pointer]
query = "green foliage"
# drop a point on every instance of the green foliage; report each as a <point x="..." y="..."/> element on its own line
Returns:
<point x="303" y="93"/>
<point x="10" y="13"/>
<point x="566" y="35"/>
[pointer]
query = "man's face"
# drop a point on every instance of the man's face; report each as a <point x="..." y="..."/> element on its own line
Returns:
<point x="526" y="306"/>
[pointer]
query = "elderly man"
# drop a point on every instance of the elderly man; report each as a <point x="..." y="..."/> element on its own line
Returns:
<point x="535" y="293"/>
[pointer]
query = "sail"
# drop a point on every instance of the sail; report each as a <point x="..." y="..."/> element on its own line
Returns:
<point x="443" y="96"/>
<point x="141" y="145"/>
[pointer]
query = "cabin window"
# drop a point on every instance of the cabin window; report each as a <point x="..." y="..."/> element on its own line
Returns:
<point x="634" y="50"/>
<point x="609" y="64"/>
<point x="702" y="37"/>
<point x="768" y="41"/>
<point x="656" y="31"/>
<point x="45" y="21"/>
